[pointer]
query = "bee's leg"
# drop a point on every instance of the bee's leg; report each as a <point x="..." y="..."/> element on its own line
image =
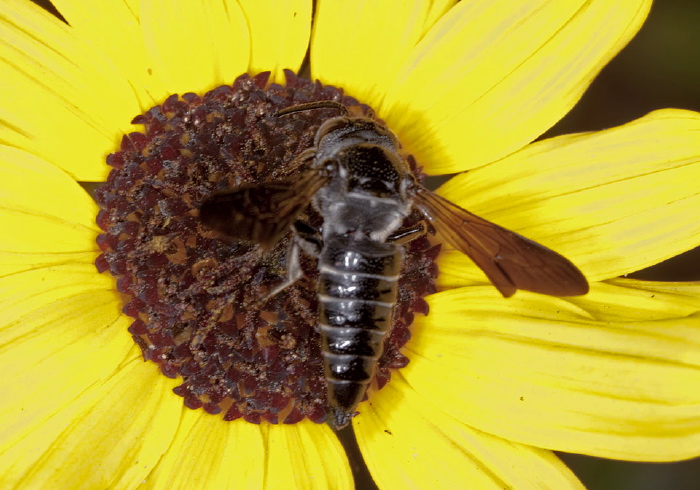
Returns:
<point x="306" y="238"/>
<point x="405" y="235"/>
<point x="297" y="165"/>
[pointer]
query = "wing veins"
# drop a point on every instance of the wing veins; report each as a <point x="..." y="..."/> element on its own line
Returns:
<point x="261" y="213"/>
<point x="510" y="261"/>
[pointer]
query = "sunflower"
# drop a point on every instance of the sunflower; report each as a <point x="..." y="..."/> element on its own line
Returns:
<point x="493" y="385"/>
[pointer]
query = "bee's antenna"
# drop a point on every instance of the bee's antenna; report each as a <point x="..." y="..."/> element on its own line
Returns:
<point x="321" y="104"/>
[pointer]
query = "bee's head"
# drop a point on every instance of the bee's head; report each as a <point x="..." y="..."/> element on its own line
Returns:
<point x="340" y="132"/>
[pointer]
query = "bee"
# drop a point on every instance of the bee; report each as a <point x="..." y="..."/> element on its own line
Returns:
<point x="364" y="189"/>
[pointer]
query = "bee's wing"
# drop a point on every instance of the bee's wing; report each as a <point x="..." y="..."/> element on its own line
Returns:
<point x="261" y="213"/>
<point x="509" y="260"/>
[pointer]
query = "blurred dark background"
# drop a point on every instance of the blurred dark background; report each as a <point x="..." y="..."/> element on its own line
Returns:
<point x="659" y="68"/>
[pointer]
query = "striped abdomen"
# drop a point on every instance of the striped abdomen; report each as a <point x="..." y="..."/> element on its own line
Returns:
<point x="357" y="286"/>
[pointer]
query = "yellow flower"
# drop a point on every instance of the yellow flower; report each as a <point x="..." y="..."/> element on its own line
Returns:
<point x="493" y="384"/>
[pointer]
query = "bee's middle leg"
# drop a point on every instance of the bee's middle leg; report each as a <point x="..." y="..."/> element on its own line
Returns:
<point x="306" y="238"/>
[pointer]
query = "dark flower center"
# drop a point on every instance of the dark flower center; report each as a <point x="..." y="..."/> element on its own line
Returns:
<point x="196" y="297"/>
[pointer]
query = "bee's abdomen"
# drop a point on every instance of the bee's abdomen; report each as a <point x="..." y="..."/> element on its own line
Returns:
<point x="358" y="285"/>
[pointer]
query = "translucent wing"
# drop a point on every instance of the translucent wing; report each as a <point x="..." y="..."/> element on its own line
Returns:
<point x="509" y="260"/>
<point x="261" y="213"/>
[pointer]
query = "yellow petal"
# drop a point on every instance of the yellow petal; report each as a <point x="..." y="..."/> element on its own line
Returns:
<point x="45" y="348"/>
<point x="613" y="201"/>
<point x="279" y="34"/>
<point x="690" y="289"/>
<point x="209" y="452"/>
<point x="195" y="46"/>
<point x="13" y="262"/>
<point x="436" y="10"/>
<point x="526" y="369"/>
<point x="624" y="300"/>
<point x="68" y="103"/>
<point x="408" y="442"/>
<point x="242" y="455"/>
<point x="353" y="46"/>
<point x="109" y="437"/>
<point x="46" y="217"/>
<point x="37" y="289"/>
<point x="35" y="186"/>
<point x="305" y="456"/>
<point x="491" y="76"/>
<point x="117" y="34"/>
